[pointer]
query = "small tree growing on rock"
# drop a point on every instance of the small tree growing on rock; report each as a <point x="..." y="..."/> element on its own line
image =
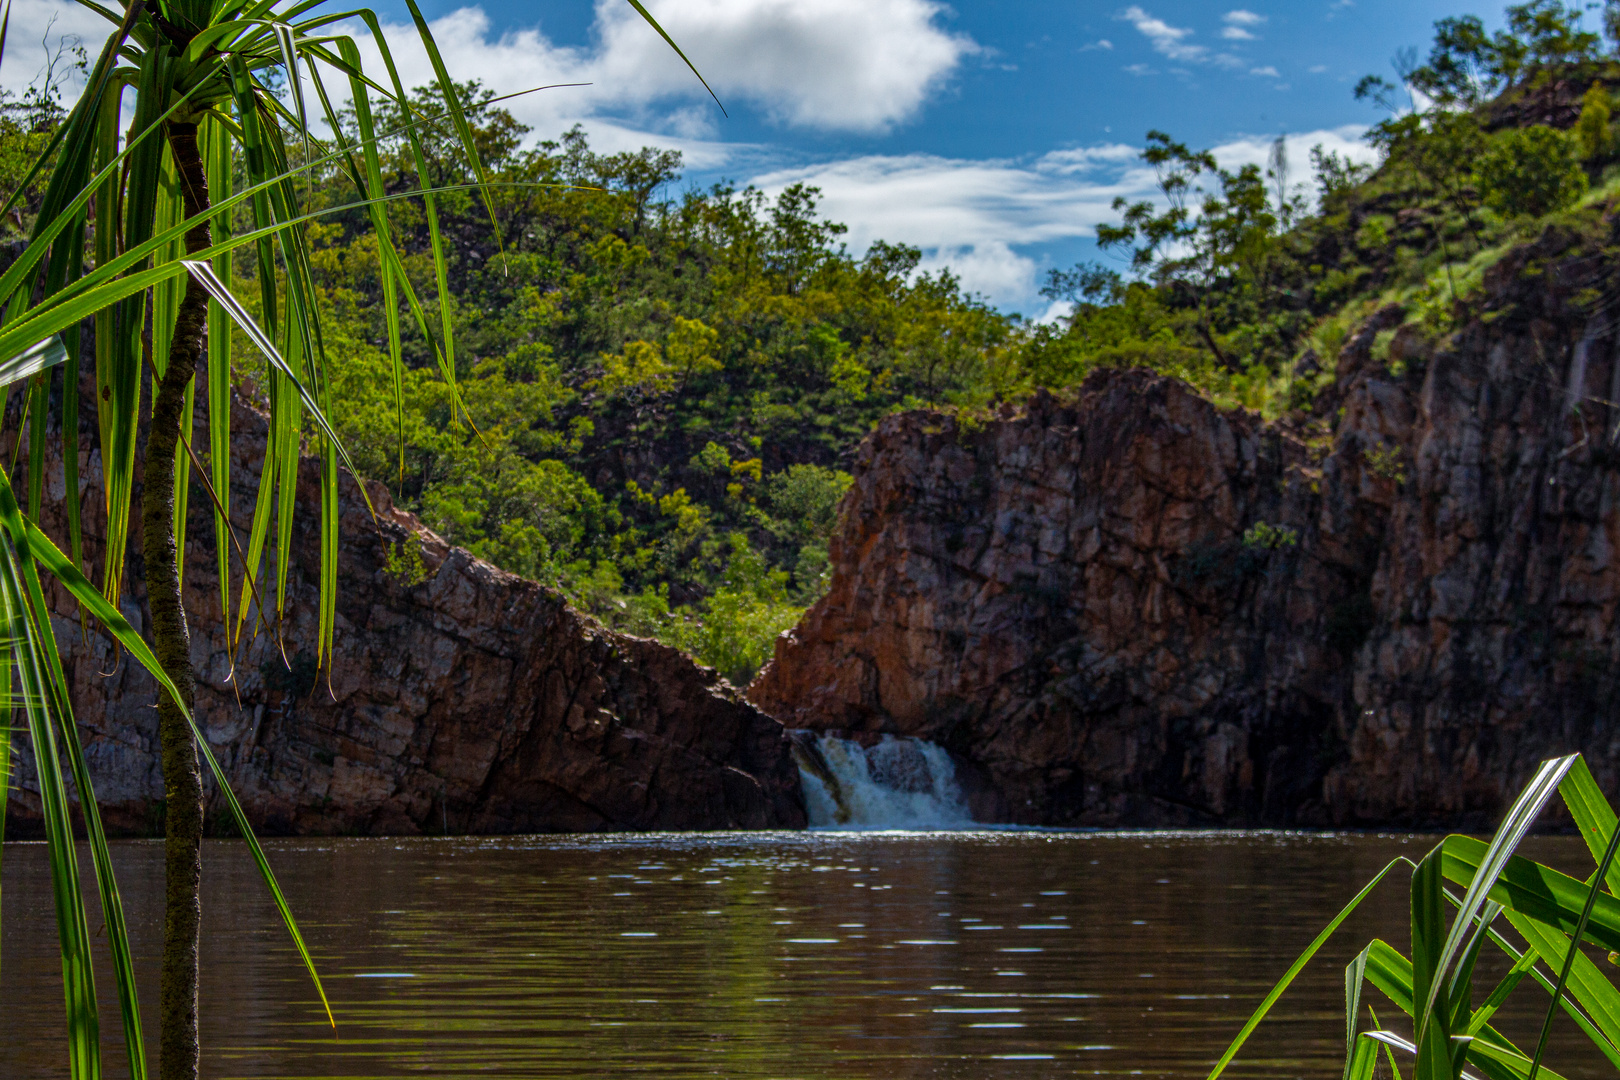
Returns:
<point x="1533" y="170"/>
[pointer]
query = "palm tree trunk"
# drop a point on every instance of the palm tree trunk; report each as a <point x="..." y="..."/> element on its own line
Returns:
<point x="171" y="641"/>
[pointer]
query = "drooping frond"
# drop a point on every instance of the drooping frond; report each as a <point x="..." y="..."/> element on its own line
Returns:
<point x="132" y="221"/>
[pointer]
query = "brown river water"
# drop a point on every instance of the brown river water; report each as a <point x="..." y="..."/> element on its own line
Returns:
<point x="821" y="954"/>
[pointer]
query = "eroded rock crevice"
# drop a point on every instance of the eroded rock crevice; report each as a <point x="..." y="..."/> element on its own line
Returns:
<point x="1126" y="605"/>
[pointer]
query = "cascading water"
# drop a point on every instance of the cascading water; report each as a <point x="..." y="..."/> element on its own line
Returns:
<point x="897" y="783"/>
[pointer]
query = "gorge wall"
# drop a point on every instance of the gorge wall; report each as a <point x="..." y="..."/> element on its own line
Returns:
<point x="462" y="698"/>
<point x="1128" y="606"/>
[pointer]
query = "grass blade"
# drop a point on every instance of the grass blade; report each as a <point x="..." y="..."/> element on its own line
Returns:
<point x="61" y="709"/>
<point x="458" y="118"/>
<point x="51" y="557"/>
<point x="31" y="361"/>
<point x="1361" y="1059"/>
<point x="6" y="713"/>
<point x="1536" y="891"/>
<point x="1575" y="947"/>
<point x="435" y="240"/>
<point x="42" y="549"/>
<point x="1499" y="994"/>
<point x="39" y="401"/>
<point x="265" y="873"/>
<point x="1507" y="839"/>
<point x="73" y="931"/>
<point x="326" y="633"/>
<point x="1591" y="1030"/>
<point x="386" y="257"/>
<point x="1593" y="815"/>
<point x="1355" y="973"/>
<point x="1299" y="965"/>
<point x="219" y="161"/>
<point x="1389" y="1051"/>
<point x="1429" y="937"/>
<point x="645" y="14"/>
<point x="204" y="273"/>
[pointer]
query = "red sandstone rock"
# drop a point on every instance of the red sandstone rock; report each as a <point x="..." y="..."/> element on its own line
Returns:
<point x="473" y="701"/>
<point x="1064" y="597"/>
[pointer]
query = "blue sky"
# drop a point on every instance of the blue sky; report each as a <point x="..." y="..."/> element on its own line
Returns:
<point x="992" y="135"/>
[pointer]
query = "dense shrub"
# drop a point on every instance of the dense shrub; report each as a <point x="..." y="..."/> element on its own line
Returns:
<point x="1533" y="170"/>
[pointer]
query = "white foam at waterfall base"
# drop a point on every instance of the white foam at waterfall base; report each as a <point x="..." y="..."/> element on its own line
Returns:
<point x="899" y="783"/>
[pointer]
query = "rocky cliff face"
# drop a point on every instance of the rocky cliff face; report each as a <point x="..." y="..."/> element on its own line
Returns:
<point x="467" y="701"/>
<point x="1129" y="606"/>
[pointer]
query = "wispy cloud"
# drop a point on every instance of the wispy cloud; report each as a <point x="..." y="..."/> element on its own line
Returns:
<point x="1085" y="159"/>
<point x="1240" y="25"/>
<point x="1166" y="40"/>
<point x="1101" y="43"/>
<point x="1268" y="71"/>
<point x="1173" y="41"/>
<point x="978" y="216"/>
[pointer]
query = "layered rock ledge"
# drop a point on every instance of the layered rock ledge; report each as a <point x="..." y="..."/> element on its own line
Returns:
<point x="1131" y="607"/>
<point x="462" y="699"/>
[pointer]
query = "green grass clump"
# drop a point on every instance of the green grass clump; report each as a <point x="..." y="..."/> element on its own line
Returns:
<point x="1433" y="984"/>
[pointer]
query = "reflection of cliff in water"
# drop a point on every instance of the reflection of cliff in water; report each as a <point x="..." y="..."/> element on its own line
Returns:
<point x="889" y="782"/>
<point x="822" y="956"/>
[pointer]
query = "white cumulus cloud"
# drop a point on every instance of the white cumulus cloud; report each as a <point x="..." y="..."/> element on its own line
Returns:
<point x="1087" y="158"/>
<point x="835" y="65"/>
<point x="974" y="216"/>
<point x="854" y="65"/>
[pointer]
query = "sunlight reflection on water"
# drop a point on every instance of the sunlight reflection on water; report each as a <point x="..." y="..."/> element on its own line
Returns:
<point x="984" y="953"/>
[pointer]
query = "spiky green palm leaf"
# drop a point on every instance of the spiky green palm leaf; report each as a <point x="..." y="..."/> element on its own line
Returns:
<point x="120" y="243"/>
<point x="1552" y="912"/>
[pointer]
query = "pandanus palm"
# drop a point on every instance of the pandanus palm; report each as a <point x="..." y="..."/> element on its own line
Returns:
<point x="135" y="236"/>
<point x="1454" y="1035"/>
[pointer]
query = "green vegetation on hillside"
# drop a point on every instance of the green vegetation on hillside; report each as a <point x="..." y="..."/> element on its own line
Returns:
<point x="1246" y="295"/>
<point x="664" y="390"/>
<point x="659" y="392"/>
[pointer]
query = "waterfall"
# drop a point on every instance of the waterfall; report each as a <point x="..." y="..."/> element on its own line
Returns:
<point x="898" y="783"/>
